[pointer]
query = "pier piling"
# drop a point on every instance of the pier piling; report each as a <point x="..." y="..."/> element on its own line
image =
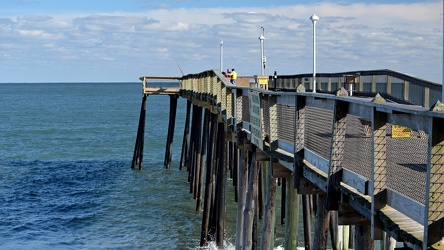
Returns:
<point x="171" y="125"/>
<point x="186" y="137"/>
<point x="138" y="148"/>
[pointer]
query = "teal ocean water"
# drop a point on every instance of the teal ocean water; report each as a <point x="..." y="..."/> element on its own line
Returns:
<point x="65" y="176"/>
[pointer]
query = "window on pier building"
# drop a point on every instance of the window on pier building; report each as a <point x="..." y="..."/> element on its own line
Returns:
<point x="397" y="88"/>
<point x="381" y="84"/>
<point x="416" y="93"/>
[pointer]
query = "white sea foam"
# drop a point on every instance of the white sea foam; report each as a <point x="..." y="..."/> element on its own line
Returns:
<point x="230" y="246"/>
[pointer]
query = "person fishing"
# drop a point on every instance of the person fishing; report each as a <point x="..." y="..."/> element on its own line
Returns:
<point x="233" y="76"/>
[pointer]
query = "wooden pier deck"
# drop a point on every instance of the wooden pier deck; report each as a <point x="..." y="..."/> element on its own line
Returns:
<point x="370" y="162"/>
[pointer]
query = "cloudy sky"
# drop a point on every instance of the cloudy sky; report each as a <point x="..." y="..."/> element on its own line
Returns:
<point x="121" y="40"/>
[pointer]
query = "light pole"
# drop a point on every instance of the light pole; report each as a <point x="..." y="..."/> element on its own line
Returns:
<point x="262" y="38"/>
<point x="314" y="18"/>
<point x="221" y="55"/>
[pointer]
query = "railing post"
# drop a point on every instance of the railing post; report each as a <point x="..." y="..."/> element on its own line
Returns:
<point x="379" y="171"/>
<point x="229" y="104"/>
<point x="426" y="102"/>
<point x="406" y="90"/>
<point x="299" y="139"/>
<point x="272" y="101"/>
<point x="337" y="153"/>
<point x="389" y="85"/>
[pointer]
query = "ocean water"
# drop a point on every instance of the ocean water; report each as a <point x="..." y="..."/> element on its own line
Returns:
<point x="65" y="176"/>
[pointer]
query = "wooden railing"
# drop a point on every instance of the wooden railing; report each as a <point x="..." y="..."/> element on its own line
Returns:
<point x="384" y="159"/>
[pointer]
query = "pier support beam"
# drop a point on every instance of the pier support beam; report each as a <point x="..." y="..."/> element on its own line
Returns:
<point x="268" y="224"/>
<point x="138" y="148"/>
<point x="363" y="240"/>
<point x="203" y="153"/>
<point x="242" y="172"/>
<point x="186" y="137"/>
<point x="250" y="206"/>
<point x="198" y="154"/>
<point x="291" y="216"/>
<point x="221" y="185"/>
<point x="171" y="125"/>
<point x="209" y="184"/>
<point x="306" y="215"/>
<point x="321" y="224"/>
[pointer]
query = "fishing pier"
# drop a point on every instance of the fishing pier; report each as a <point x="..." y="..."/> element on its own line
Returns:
<point x="363" y="155"/>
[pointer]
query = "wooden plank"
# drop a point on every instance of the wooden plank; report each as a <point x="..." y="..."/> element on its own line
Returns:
<point x="413" y="121"/>
<point x="322" y="103"/>
<point x="307" y="187"/>
<point x="410" y="227"/>
<point x="280" y="171"/>
<point x="358" y="182"/>
<point x="261" y="156"/>
<point x="316" y="160"/>
<point x="347" y="215"/>
<point x="406" y="206"/>
<point x="161" y="91"/>
<point x="315" y="176"/>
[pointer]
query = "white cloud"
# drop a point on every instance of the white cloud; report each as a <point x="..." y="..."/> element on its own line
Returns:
<point x="123" y="46"/>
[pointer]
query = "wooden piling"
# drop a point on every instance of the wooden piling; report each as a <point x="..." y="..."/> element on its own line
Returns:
<point x="191" y="150"/>
<point x="306" y="215"/>
<point x="242" y="173"/>
<point x="260" y="195"/>
<point x="209" y="183"/>
<point x="138" y="148"/>
<point x="198" y="148"/>
<point x="214" y="162"/>
<point x="254" y="244"/>
<point x="268" y="223"/>
<point x="283" y="199"/>
<point x="333" y="228"/>
<point x="171" y="125"/>
<point x="321" y="224"/>
<point x="234" y="165"/>
<point x="291" y="216"/>
<point x="362" y="240"/>
<point x="194" y="145"/>
<point x="221" y="186"/>
<point x="250" y="208"/>
<point x="390" y="243"/>
<point x="202" y="158"/>
<point x="186" y="137"/>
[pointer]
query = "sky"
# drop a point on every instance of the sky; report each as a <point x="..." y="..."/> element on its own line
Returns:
<point x="121" y="40"/>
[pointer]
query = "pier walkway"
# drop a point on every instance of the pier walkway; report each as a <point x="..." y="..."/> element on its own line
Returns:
<point x="375" y="161"/>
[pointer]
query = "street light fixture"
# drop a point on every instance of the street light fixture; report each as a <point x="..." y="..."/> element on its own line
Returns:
<point x="221" y="55"/>
<point x="262" y="38"/>
<point x="314" y="19"/>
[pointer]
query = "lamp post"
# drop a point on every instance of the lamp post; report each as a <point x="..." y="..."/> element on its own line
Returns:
<point x="221" y="55"/>
<point x="314" y="19"/>
<point x="262" y="38"/>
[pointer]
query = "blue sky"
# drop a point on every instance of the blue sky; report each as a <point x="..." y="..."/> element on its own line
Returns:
<point x="121" y="40"/>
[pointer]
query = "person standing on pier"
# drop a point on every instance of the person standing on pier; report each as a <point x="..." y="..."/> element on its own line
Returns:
<point x="233" y="76"/>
